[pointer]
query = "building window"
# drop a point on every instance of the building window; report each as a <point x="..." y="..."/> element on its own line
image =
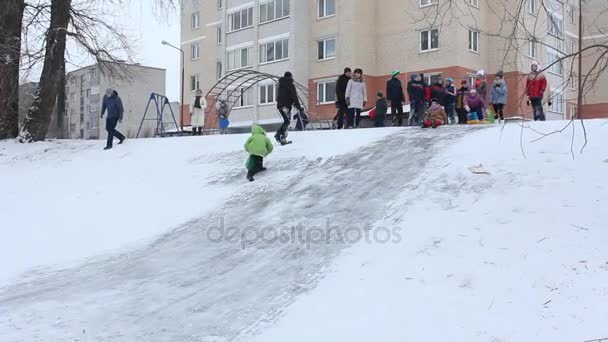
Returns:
<point x="195" y="83"/>
<point x="274" y="51"/>
<point x="326" y="49"/>
<point x="326" y="92"/>
<point x="572" y="81"/>
<point x="557" y="105"/>
<point x="532" y="7"/>
<point x="474" y="41"/>
<point x="556" y="64"/>
<point x="429" y="40"/>
<point x="555" y="25"/>
<point x="195" y="51"/>
<point x="572" y="111"/>
<point x="267" y="92"/>
<point x="218" y="70"/>
<point x="239" y="58"/>
<point x="219" y="35"/>
<point x="195" y="20"/>
<point x="327" y="8"/>
<point x="72" y="96"/>
<point x="273" y="10"/>
<point x="474" y="3"/>
<point x="244" y="99"/>
<point x="220" y="4"/>
<point x="240" y="20"/>
<point x="573" y="47"/>
<point x="432" y="78"/>
<point x="532" y="48"/>
<point x="424" y="3"/>
<point x="88" y="93"/>
<point x="572" y="14"/>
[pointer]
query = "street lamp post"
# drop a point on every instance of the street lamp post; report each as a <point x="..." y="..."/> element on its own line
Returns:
<point x="181" y="110"/>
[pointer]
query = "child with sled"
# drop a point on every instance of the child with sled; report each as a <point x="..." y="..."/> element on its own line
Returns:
<point x="258" y="146"/>
<point x="474" y="106"/>
<point x="436" y="115"/>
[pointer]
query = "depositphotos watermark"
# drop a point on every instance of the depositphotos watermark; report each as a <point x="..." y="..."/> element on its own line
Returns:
<point x="303" y="234"/>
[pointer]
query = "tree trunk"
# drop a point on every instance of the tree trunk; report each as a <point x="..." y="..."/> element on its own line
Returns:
<point x="38" y="117"/>
<point x="11" y="14"/>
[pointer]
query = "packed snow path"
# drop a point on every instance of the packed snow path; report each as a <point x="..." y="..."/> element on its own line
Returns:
<point x="185" y="287"/>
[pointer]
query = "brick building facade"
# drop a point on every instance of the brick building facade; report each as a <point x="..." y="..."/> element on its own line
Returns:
<point x="316" y="39"/>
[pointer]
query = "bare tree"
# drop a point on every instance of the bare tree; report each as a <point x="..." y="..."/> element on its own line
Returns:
<point x="11" y="14"/>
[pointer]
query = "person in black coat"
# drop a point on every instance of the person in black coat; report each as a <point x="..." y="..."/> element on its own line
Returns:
<point x="113" y="105"/>
<point x="287" y="98"/>
<point x="381" y="110"/>
<point x="394" y="93"/>
<point x="416" y="92"/>
<point x="341" y="104"/>
<point x="438" y="92"/>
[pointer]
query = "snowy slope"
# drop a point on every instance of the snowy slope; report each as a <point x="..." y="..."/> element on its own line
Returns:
<point x="517" y="255"/>
<point x="66" y="200"/>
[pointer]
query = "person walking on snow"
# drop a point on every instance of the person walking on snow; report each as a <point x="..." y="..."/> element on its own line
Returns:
<point x="498" y="96"/>
<point x="415" y="91"/>
<point x="197" y="116"/>
<point x="113" y="105"/>
<point x="450" y="99"/>
<point x="341" y="85"/>
<point x="287" y="98"/>
<point x="436" y="116"/>
<point x="356" y="98"/>
<point x="259" y="147"/>
<point x="461" y="97"/>
<point x="475" y="105"/>
<point x="394" y="94"/>
<point x="536" y="86"/>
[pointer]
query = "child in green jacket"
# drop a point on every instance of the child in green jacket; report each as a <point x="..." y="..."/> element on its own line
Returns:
<point x="258" y="146"/>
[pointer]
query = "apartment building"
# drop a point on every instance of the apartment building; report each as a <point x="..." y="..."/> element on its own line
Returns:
<point x="316" y="39"/>
<point x="85" y="89"/>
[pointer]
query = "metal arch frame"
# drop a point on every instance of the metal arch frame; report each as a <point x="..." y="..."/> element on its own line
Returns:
<point x="229" y="86"/>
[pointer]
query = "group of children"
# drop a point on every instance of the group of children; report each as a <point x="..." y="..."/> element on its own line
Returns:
<point x="430" y="106"/>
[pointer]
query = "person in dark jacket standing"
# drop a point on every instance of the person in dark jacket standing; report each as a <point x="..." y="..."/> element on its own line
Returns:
<point x="287" y="98"/>
<point x="341" y="97"/>
<point x="394" y="93"/>
<point x="438" y="91"/>
<point x="449" y="99"/>
<point x="461" y="101"/>
<point x="415" y="91"/>
<point x="113" y="105"/>
<point x="381" y="109"/>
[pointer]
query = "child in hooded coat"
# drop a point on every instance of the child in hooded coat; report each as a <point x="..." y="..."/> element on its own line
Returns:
<point x="475" y="105"/>
<point x="258" y="146"/>
<point x="436" y="115"/>
<point x="498" y="96"/>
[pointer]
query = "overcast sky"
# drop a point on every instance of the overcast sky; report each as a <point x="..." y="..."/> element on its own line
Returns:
<point x="148" y="29"/>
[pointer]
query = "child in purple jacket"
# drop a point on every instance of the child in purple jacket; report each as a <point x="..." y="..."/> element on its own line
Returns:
<point x="475" y="106"/>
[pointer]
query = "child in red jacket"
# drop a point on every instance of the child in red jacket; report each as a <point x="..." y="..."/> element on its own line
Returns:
<point x="536" y="85"/>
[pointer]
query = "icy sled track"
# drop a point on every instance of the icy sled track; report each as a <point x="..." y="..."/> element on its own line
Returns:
<point x="523" y="244"/>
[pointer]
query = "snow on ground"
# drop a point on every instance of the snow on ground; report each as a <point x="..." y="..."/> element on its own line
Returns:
<point x="516" y="255"/>
<point x="66" y="200"/>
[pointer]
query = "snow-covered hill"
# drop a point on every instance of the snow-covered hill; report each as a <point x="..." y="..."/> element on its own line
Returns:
<point x="361" y="235"/>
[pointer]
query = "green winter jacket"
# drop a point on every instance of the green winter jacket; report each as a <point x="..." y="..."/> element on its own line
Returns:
<point x="258" y="143"/>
